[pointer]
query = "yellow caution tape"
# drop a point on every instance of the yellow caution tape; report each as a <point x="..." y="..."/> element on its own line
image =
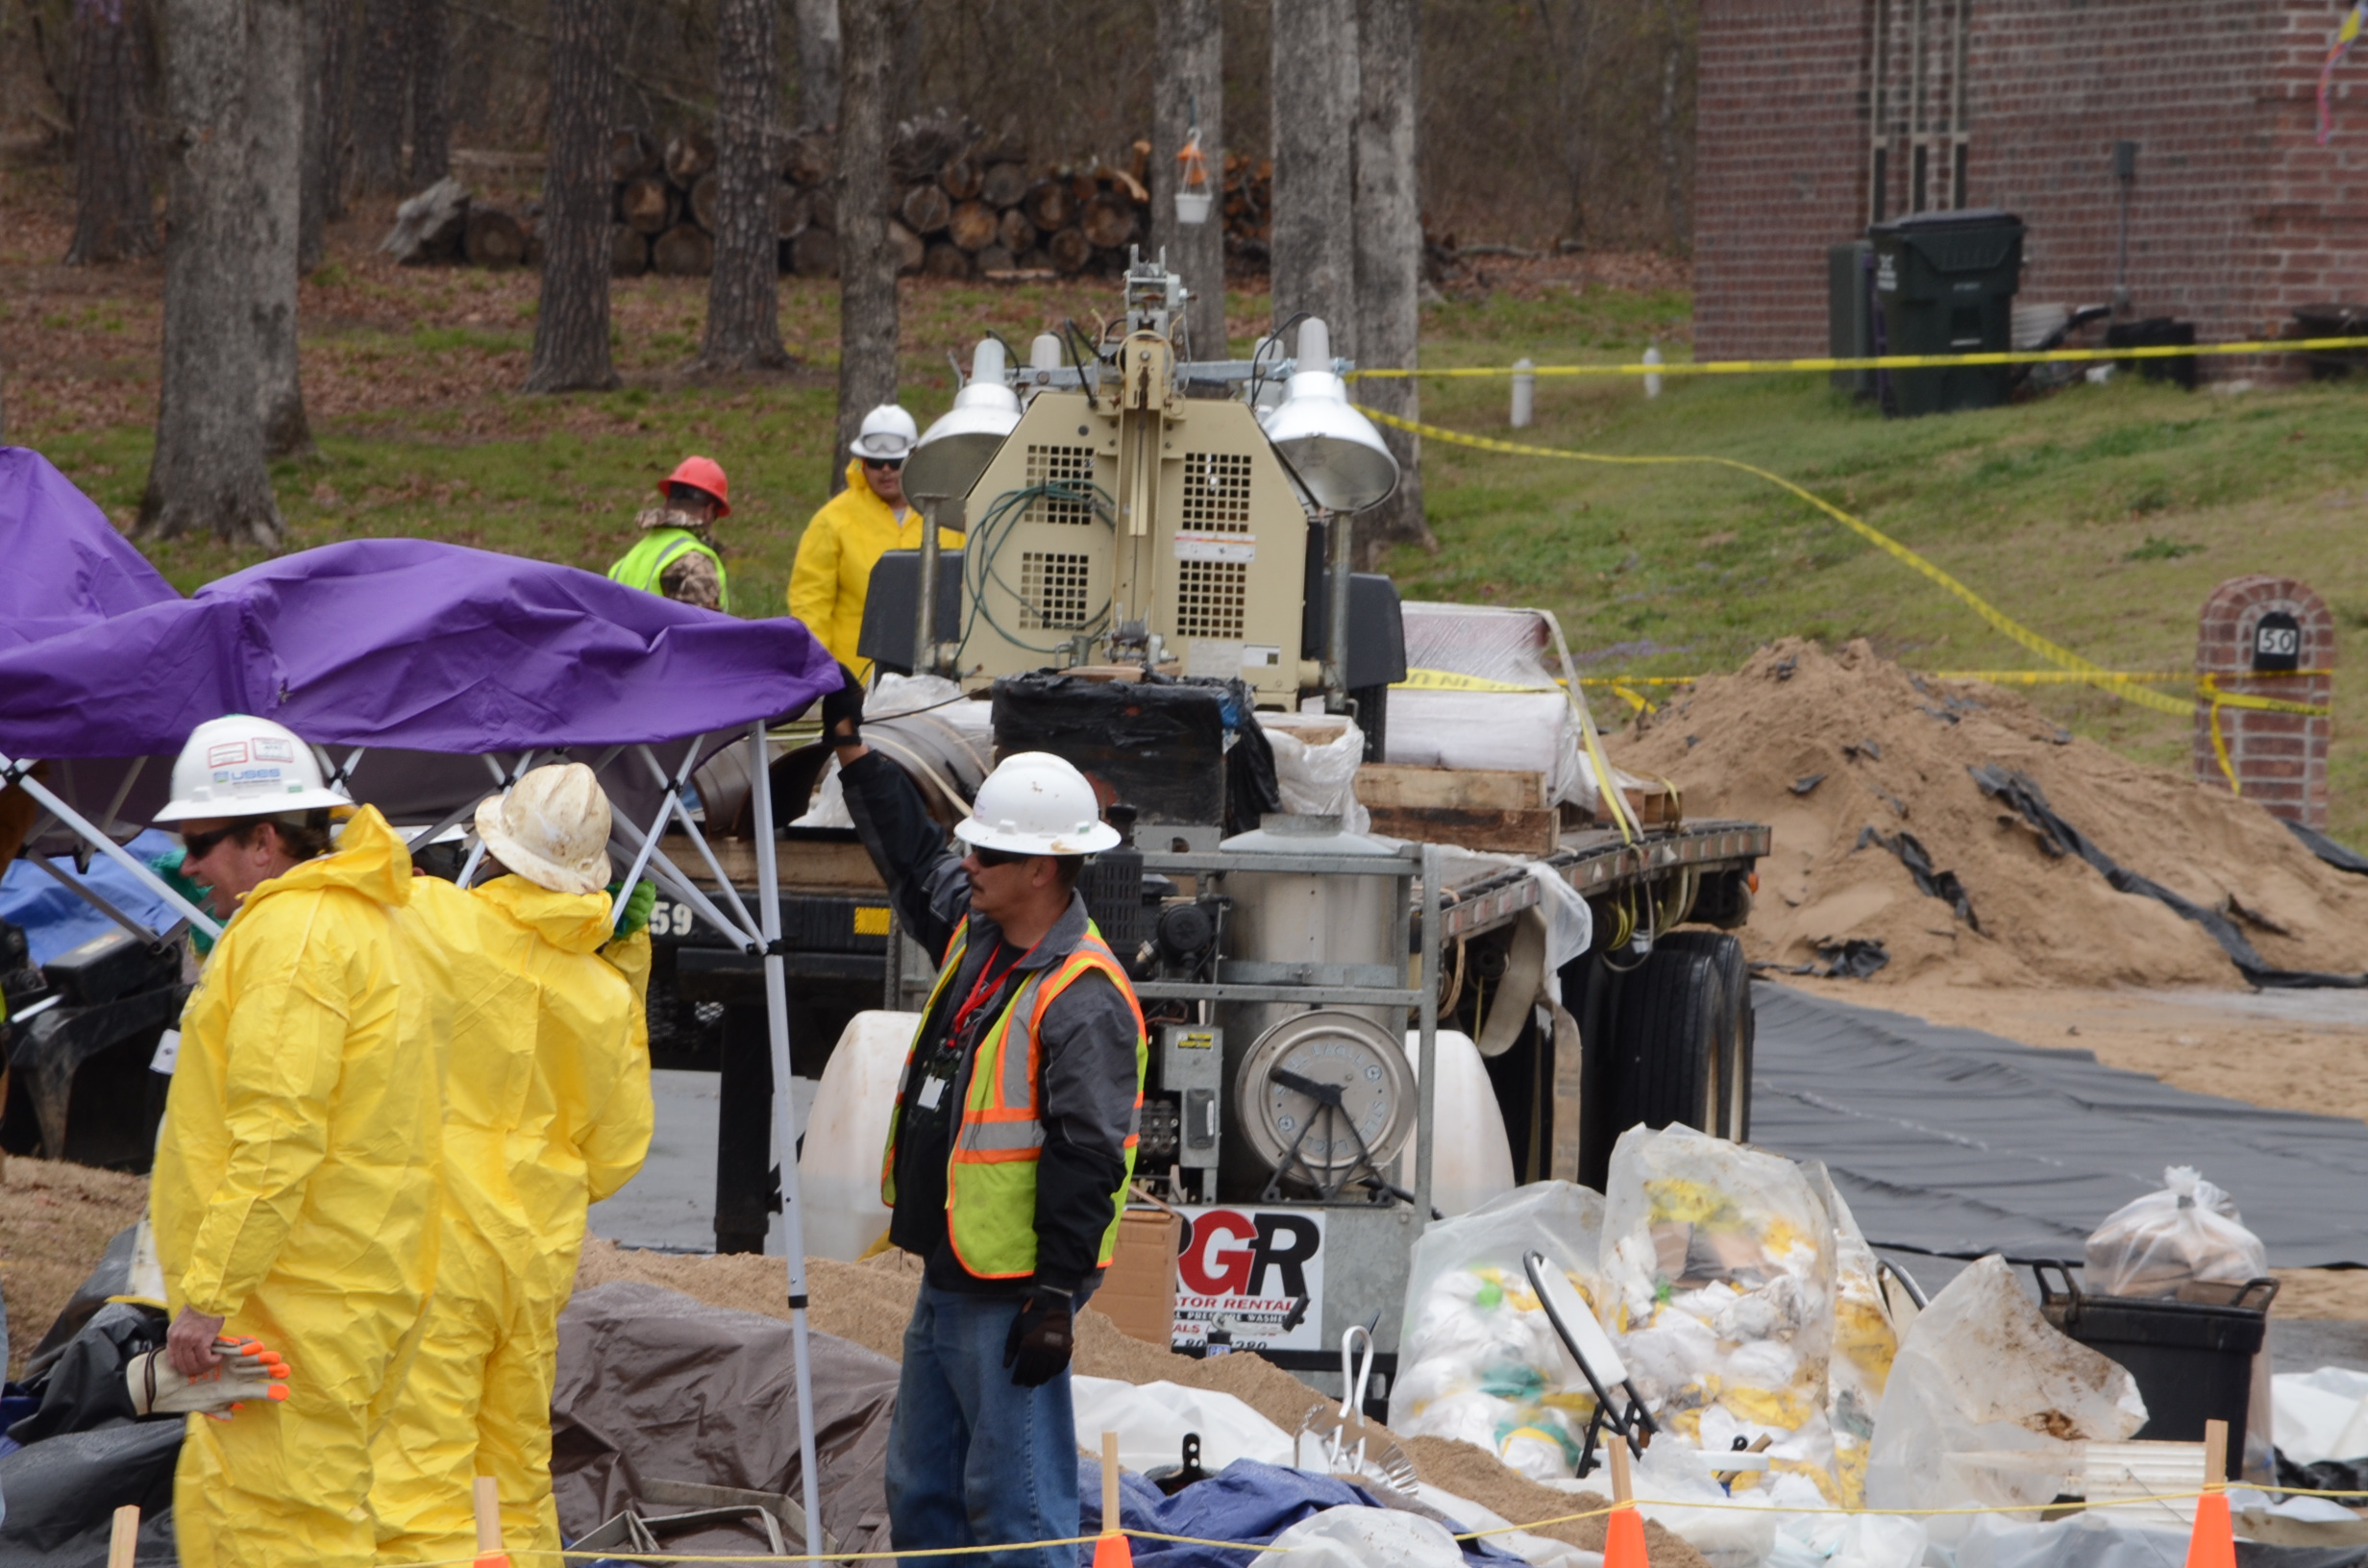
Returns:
<point x="1881" y="361"/>
<point x="2055" y="652"/>
<point x="1450" y="680"/>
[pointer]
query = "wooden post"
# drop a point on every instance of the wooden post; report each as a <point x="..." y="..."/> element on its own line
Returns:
<point x="489" y="1515"/>
<point x="1109" y="1482"/>
<point x="2215" y="1455"/>
<point x="1624" y="1491"/>
<point x="123" y="1540"/>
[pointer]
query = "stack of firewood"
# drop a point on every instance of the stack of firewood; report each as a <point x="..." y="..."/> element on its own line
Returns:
<point x="964" y="206"/>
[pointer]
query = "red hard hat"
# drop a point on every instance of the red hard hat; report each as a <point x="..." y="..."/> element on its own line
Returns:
<point x="702" y="474"/>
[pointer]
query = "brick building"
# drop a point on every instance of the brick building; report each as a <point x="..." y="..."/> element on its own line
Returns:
<point x="1817" y="117"/>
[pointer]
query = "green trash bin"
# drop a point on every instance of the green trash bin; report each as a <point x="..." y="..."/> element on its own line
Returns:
<point x="1944" y="283"/>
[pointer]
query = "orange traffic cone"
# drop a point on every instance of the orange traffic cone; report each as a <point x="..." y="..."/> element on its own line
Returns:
<point x="1623" y="1539"/>
<point x="487" y="1500"/>
<point x="1111" y="1548"/>
<point x="2213" y="1542"/>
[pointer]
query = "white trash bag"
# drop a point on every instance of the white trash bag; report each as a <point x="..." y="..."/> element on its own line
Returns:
<point x="1987" y="1404"/>
<point x="1354" y="1536"/>
<point x="2187" y="1234"/>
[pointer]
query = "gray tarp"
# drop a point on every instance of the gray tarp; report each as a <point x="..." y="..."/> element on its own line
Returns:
<point x="1954" y="1141"/>
<point x="654" y="1385"/>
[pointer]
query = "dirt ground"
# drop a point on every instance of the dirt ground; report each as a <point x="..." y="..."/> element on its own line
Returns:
<point x="54" y="1220"/>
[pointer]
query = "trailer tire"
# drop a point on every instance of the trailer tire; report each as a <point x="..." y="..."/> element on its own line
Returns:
<point x="1733" y="1123"/>
<point x="1673" y="1041"/>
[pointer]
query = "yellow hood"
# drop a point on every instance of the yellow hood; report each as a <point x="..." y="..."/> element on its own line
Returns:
<point x="574" y="923"/>
<point x="370" y="859"/>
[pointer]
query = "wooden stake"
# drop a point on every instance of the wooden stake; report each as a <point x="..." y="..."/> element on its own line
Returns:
<point x="488" y="1514"/>
<point x="123" y="1540"/>
<point x="1617" y="1447"/>
<point x="2215" y="1454"/>
<point x="1109" y="1482"/>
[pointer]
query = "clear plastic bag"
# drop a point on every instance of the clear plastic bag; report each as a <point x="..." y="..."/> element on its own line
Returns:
<point x="1864" y="1342"/>
<point x="1987" y="1404"/>
<point x="1719" y="1264"/>
<point x="1478" y="1360"/>
<point x="1318" y="777"/>
<point x="2186" y="1234"/>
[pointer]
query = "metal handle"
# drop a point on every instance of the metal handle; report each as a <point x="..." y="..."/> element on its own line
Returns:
<point x="1352" y="1387"/>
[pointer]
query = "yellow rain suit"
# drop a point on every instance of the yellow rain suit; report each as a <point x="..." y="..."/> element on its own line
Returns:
<point x="547" y="1088"/>
<point x="835" y="557"/>
<point x="295" y="1195"/>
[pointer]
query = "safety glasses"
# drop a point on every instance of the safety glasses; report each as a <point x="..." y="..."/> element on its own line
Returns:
<point x="886" y="465"/>
<point x="198" y="845"/>
<point x="997" y="857"/>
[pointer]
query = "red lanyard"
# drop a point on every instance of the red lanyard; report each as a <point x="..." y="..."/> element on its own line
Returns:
<point x="983" y="990"/>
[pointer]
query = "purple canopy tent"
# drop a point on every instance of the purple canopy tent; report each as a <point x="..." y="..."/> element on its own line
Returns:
<point x="437" y="666"/>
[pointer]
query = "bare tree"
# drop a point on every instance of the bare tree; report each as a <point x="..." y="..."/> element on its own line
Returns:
<point x="428" y="40"/>
<point x="570" y="327"/>
<point x="1315" y="99"/>
<point x="871" y="34"/>
<point x="818" y="61"/>
<point x="325" y="41"/>
<point x="1389" y="244"/>
<point x="744" y="320"/>
<point x="276" y="127"/>
<point x="114" y="218"/>
<point x="382" y="81"/>
<point x="208" y="473"/>
<point x="1188" y="78"/>
<point x="1570" y="28"/>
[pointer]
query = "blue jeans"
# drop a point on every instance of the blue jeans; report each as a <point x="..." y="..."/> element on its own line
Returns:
<point x="974" y="1459"/>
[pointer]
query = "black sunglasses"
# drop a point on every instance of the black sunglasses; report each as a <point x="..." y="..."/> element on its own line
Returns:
<point x="198" y="845"/>
<point x="891" y="464"/>
<point x="997" y="857"/>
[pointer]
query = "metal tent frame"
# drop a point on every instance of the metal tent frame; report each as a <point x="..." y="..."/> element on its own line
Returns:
<point x="757" y="934"/>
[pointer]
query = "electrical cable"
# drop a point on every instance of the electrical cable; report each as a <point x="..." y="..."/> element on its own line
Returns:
<point x="1273" y="339"/>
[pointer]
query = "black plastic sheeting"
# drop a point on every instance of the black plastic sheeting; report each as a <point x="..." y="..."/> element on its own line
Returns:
<point x="2340" y="856"/>
<point x="112" y="1276"/>
<point x="83" y="1390"/>
<point x="2059" y="837"/>
<point x="63" y="1493"/>
<point x="1959" y="1143"/>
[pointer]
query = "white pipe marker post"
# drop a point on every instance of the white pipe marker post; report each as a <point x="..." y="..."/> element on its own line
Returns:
<point x="791" y="1225"/>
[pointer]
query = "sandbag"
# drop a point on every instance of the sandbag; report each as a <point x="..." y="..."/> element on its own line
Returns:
<point x="634" y="1359"/>
<point x="2187" y="1234"/>
<point x="1354" y="1537"/>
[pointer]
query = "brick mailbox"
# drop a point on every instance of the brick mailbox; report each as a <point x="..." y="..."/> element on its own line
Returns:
<point x="2272" y="637"/>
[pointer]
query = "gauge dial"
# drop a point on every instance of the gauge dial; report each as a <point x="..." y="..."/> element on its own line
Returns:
<point x="1323" y="1090"/>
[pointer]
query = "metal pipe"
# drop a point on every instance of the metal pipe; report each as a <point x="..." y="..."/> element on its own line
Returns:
<point x="924" y="615"/>
<point x="1426" y="1055"/>
<point x="24" y="780"/>
<point x="1335" y="629"/>
<point x="790" y="1226"/>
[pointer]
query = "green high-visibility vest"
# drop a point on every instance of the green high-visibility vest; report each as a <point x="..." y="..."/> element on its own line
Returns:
<point x="658" y="550"/>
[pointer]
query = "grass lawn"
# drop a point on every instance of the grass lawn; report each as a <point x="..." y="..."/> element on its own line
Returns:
<point x="2100" y="516"/>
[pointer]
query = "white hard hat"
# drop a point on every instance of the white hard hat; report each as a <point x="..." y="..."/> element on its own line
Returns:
<point x="551" y="828"/>
<point x="1035" y="803"/>
<point x="888" y="432"/>
<point x="242" y="767"/>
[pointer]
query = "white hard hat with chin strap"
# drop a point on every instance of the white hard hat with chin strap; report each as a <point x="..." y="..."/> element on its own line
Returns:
<point x="1035" y="803"/>
<point x="244" y="766"/>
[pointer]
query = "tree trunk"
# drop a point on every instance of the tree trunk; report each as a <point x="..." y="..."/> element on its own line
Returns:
<point x="1570" y="63"/>
<point x="208" y="473"/>
<point x="1388" y="215"/>
<point x="819" y="71"/>
<point x="1189" y="69"/>
<point x="871" y="34"/>
<point x="324" y="94"/>
<point x="276" y="127"/>
<point x="430" y="36"/>
<point x="381" y="80"/>
<point x="113" y="219"/>
<point x="570" y="327"/>
<point x="1314" y="244"/>
<point x="1675" y="75"/>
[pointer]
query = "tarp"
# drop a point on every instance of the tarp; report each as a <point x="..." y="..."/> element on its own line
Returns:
<point x="654" y="1385"/>
<point x="66" y="566"/>
<point x="57" y="919"/>
<point x="1959" y="1142"/>
<point x="1248" y="1502"/>
<point x="409" y="644"/>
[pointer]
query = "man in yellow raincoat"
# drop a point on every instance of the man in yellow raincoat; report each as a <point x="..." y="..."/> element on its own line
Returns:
<point x="548" y="1109"/>
<point x="296" y="1183"/>
<point x="854" y="528"/>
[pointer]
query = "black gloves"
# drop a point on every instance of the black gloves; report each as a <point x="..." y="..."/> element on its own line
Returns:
<point x="1041" y="1339"/>
<point x="847" y="703"/>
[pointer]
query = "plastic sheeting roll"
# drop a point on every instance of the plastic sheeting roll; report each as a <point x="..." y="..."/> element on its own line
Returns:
<point x="1472" y="1159"/>
<point x="838" y="1170"/>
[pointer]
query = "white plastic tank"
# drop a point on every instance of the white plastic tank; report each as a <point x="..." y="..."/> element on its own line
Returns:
<point x="846" y="1131"/>
<point x="1472" y="1157"/>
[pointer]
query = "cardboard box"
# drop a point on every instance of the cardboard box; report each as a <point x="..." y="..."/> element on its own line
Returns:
<point x="1138" y="1291"/>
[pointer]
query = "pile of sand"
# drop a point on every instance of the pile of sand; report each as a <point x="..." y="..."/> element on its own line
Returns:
<point x="869" y="1303"/>
<point x="55" y="1221"/>
<point x="1836" y="749"/>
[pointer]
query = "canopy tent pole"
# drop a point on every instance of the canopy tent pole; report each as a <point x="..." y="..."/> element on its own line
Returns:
<point x="792" y="1223"/>
<point x="502" y="783"/>
<point x="90" y="895"/>
<point x="21" y="775"/>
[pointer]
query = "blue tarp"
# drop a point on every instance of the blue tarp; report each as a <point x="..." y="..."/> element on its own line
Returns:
<point x="1246" y="1502"/>
<point x="55" y="919"/>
